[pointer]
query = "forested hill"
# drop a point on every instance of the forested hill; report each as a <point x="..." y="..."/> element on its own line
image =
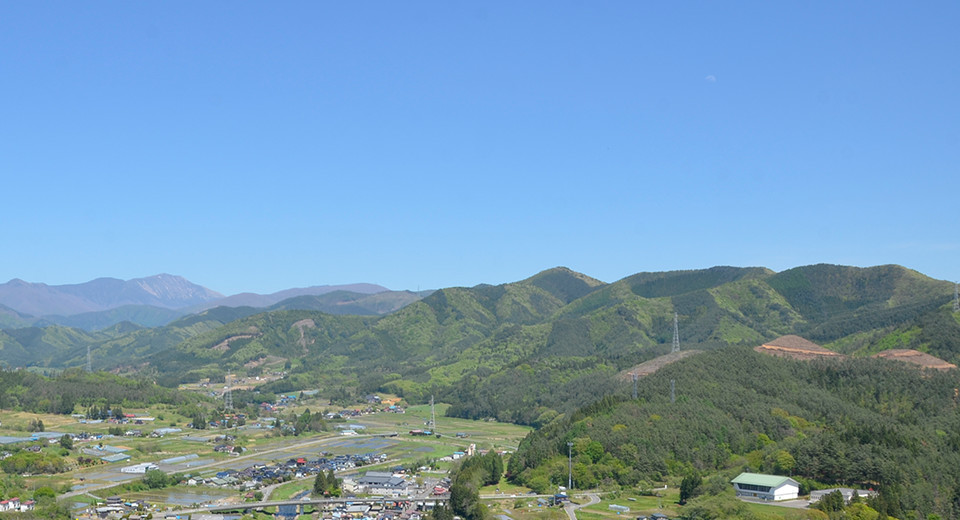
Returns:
<point x="855" y="422"/>
<point x="529" y="350"/>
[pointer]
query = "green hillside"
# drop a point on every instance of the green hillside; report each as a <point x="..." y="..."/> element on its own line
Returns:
<point x="143" y="315"/>
<point x="530" y="350"/>
<point x="346" y="302"/>
<point x="538" y="350"/>
<point x="12" y="319"/>
<point x="861" y="422"/>
<point x="43" y="346"/>
<point x="525" y="351"/>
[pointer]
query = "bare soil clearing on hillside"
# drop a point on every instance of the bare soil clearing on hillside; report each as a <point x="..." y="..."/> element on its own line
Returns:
<point x="648" y="367"/>
<point x="795" y="347"/>
<point x="917" y="358"/>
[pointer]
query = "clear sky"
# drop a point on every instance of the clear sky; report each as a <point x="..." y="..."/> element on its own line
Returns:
<point x="257" y="146"/>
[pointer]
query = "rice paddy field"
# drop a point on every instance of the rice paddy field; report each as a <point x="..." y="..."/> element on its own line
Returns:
<point x="191" y="451"/>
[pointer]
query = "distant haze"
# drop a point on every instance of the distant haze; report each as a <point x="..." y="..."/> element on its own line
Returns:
<point x="163" y="290"/>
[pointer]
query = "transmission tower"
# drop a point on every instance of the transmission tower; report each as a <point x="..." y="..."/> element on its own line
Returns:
<point x="634" y="375"/>
<point x="673" y="391"/>
<point x="433" y="417"/>
<point x="227" y="396"/>
<point x="676" y="334"/>
<point x="89" y="362"/>
<point x="956" y="297"/>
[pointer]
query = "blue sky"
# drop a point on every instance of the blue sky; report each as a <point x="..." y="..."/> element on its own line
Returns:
<point x="253" y="146"/>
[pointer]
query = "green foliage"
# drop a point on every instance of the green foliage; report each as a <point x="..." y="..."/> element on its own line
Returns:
<point x="44" y="492"/>
<point x="326" y="483"/>
<point x="33" y="463"/>
<point x="856" y="422"/>
<point x="831" y="502"/>
<point x="62" y="394"/>
<point x="466" y="480"/>
<point x="689" y="486"/>
<point x="156" y="479"/>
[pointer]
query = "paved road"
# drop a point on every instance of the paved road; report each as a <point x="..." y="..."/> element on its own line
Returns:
<point x="795" y="504"/>
<point x="571" y="508"/>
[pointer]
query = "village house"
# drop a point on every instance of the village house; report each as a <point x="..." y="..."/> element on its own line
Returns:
<point x="847" y="493"/>
<point x="382" y="483"/>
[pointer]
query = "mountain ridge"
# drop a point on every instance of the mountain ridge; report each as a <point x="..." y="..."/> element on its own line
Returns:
<point x="157" y="300"/>
<point x="476" y="344"/>
<point x="162" y="290"/>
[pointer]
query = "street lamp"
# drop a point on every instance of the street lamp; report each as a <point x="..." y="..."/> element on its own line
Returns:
<point x="570" y="466"/>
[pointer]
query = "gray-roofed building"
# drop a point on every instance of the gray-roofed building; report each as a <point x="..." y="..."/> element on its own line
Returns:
<point x="847" y="493"/>
<point x="382" y="483"/>
<point x="765" y="487"/>
<point x="116" y="457"/>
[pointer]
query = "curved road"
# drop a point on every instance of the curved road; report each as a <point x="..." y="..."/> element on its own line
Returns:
<point x="571" y="508"/>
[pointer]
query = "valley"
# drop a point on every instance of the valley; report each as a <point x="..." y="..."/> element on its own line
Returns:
<point x="833" y="375"/>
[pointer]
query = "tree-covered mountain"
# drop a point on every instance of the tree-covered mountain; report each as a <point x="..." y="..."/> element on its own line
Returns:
<point x="860" y="422"/>
<point x="347" y="302"/>
<point x="529" y="350"/>
<point x="266" y="300"/>
<point x="142" y="315"/>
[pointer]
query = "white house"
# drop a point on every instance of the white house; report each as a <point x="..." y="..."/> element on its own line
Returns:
<point x="765" y="487"/>
<point x="847" y="493"/>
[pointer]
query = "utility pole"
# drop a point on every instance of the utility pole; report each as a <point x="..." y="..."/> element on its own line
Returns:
<point x="676" y="333"/>
<point x="570" y="466"/>
<point x="227" y="396"/>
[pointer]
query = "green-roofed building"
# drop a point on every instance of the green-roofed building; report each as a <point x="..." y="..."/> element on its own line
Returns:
<point x="765" y="487"/>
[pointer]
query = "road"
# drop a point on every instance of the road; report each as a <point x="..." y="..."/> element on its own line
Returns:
<point x="571" y="508"/>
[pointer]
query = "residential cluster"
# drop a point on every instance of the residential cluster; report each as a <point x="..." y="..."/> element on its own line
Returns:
<point x="14" y="504"/>
<point x="257" y="475"/>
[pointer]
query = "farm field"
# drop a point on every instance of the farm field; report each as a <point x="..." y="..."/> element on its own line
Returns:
<point x="191" y="451"/>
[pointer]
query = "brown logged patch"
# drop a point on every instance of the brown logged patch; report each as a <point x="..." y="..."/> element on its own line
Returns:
<point x="224" y="345"/>
<point x="266" y="360"/>
<point x="648" y="367"/>
<point x="795" y="347"/>
<point x="917" y="358"/>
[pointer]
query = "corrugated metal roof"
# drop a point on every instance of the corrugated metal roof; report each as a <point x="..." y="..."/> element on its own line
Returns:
<point x="758" y="479"/>
<point x="115" y="458"/>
